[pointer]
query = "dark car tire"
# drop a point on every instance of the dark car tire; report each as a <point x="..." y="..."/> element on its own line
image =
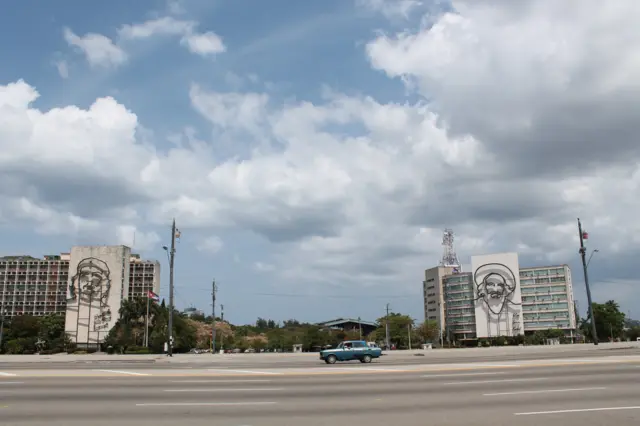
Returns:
<point x="366" y="359"/>
<point x="331" y="359"/>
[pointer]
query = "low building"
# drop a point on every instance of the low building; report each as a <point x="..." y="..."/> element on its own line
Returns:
<point x="350" y="325"/>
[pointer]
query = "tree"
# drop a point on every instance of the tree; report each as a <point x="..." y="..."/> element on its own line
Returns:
<point x="609" y="321"/>
<point x="398" y="329"/>
<point x="428" y="331"/>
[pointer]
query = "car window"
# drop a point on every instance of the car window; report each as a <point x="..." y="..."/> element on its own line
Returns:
<point x="358" y="345"/>
<point x="339" y="346"/>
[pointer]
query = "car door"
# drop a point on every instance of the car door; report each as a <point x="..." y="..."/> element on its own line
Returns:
<point x="347" y="352"/>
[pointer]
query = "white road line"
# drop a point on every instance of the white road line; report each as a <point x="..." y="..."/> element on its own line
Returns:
<point x="7" y="374"/>
<point x="247" y="371"/>
<point x="226" y="390"/>
<point x="583" y="410"/>
<point x="358" y="369"/>
<point x="11" y="383"/>
<point x="204" y="404"/>
<point x="220" y="381"/>
<point x="131" y="373"/>
<point x="463" y="374"/>
<point x="496" y="381"/>
<point x="542" y="391"/>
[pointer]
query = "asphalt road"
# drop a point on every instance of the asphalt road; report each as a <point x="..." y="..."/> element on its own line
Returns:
<point x="598" y="394"/>
<point x="266" y="361"/>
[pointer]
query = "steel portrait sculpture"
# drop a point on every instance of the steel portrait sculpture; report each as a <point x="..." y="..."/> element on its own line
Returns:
<point x="91" y="282"/>
<point x="495" y="286"/>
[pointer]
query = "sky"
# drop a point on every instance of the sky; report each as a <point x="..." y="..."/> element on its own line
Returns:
<point x="313" y="152"/>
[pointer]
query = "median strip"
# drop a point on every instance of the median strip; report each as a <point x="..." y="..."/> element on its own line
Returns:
<point x="130" y="373"/>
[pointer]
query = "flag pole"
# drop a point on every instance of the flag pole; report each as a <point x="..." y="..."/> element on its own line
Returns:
<point x="146" y="326"/>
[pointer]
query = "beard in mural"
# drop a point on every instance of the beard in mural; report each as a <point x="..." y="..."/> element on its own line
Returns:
<point x="495" y="284"/>
<point x="92" y="281"/>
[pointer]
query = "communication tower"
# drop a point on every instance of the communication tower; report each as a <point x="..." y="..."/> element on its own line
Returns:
<point x="449" y="256"/>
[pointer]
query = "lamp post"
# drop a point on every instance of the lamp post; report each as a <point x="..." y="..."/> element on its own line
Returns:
<point x="1" y="327"/>
<point x="583" y="235"/>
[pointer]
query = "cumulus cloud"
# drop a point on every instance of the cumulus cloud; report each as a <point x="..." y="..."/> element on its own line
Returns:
<point x="211" y="245"/>
<point x="391" y="8"/>
<point x="526" y="122"/>
<point x="98" y="49"/>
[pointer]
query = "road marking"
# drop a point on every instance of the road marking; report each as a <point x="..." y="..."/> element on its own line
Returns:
<point x="248" y="371"/>
<point x="583" y="410"/>
<point x="11" y="383"/>
<point x="131" y="373"/>
<point x="226" y="390"/>
<point x="496" y="381"/>
<point x="542" y="391"/>
<point x="7" y="374"/>
<point x="361" y="369"/>
<point x="221" y="381"/>
<point x="203" y="404"/>
<point x="464" y="374"/>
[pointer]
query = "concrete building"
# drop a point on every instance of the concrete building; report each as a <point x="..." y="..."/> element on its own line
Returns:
<point x="433" y="294"/>
<point x="547" y="298"/>
<point x="32" y="286"/>
<point x="86" y="285"/>
<point x="498" y="298"/>
<point x="191" y="312"/>
<point x="459" y="307"/>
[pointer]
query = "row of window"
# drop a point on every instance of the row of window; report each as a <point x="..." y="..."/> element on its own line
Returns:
<point x="541" y="272"/>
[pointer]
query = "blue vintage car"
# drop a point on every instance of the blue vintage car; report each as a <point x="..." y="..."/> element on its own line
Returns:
<point x="349" y="351"/>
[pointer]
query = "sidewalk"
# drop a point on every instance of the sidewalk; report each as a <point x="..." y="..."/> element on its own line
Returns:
<point x="267" y="357"/>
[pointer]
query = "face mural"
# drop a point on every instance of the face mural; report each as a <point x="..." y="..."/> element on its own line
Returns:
<point x="92" y="282"/>
<point x="495" y="284"/>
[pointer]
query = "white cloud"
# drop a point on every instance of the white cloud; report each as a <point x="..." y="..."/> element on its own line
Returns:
<point x="204" y="44"/>
<point x="212" y="244"/>
<point x="263" y="267"/>
<point x="391" y="8"/>
<point x="162" y="26"/>
<point x="63" y="69"/>
<point x="98" y="49"/>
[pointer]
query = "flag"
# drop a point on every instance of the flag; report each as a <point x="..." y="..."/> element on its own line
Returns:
<point x="151" y="295"/>
<point x="585" y="235"/>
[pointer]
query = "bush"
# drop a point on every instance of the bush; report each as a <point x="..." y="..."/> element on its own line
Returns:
<point x="137" y="350"/>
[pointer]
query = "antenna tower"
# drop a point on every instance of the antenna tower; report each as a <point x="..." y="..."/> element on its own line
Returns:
<point x="449" y="256"/>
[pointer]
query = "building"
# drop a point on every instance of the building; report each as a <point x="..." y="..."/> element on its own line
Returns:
<point x="459" y="307"/>
<point x="87" y="286"/>
<point x="32" y="286"/>
<point x="350" y="325"/>
<point x="433" y="294"/>
<point x="498" y="298"/>
<point x="547" y="298"/>
<point x="192" y="312"/>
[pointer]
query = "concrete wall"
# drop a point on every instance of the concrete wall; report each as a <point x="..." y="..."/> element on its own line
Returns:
<point x="433" y="277"/>
<point x="498" y="308"/>
<point x="98" y="282"/>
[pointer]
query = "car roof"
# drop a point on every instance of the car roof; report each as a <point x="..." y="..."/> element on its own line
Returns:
<point x="353" y="341"/>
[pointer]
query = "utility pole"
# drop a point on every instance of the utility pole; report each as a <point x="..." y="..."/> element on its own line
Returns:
<point x="214" y="289"/>
<point x="409" y="330"/>
<point x="583" y="252"/>
<point x="387" y="336"/>
<point x="222" y="334"/>
<point x="172" y="253"/>
<point x="360" y="327"/>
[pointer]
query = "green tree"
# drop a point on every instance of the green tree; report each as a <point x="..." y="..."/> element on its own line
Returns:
<point x="609" y="321"/>
<point x="398" y="329"/>
<point x="428" y="331"/>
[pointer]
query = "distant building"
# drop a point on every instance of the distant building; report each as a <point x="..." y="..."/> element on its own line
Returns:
<point x="191" y="312"/>
<point x="350" y="325"/>
<point x="498" y="298"/>
<point x="87" y="286"/>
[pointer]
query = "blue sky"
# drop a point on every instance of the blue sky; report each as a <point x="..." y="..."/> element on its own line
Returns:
<point x="328" y="199"/>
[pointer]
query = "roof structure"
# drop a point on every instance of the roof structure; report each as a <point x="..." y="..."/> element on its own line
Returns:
<point x="340" y="321"/>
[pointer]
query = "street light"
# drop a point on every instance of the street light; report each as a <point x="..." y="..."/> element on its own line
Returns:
<point x="171" y="256"/>
<point x="591" y="255"/>
<point x="2" y="312"/>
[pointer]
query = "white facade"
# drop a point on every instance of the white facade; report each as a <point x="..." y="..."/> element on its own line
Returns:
<point x="498" y="301"/>
<point x="98" y="283"/>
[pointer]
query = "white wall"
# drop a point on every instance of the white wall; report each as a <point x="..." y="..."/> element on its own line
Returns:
<point x="106" y="269"/>
<point x="497" y="316"/>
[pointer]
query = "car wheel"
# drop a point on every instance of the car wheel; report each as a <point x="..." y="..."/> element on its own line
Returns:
<point x="366" y="359"/>
<point x="331" y="359"/>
